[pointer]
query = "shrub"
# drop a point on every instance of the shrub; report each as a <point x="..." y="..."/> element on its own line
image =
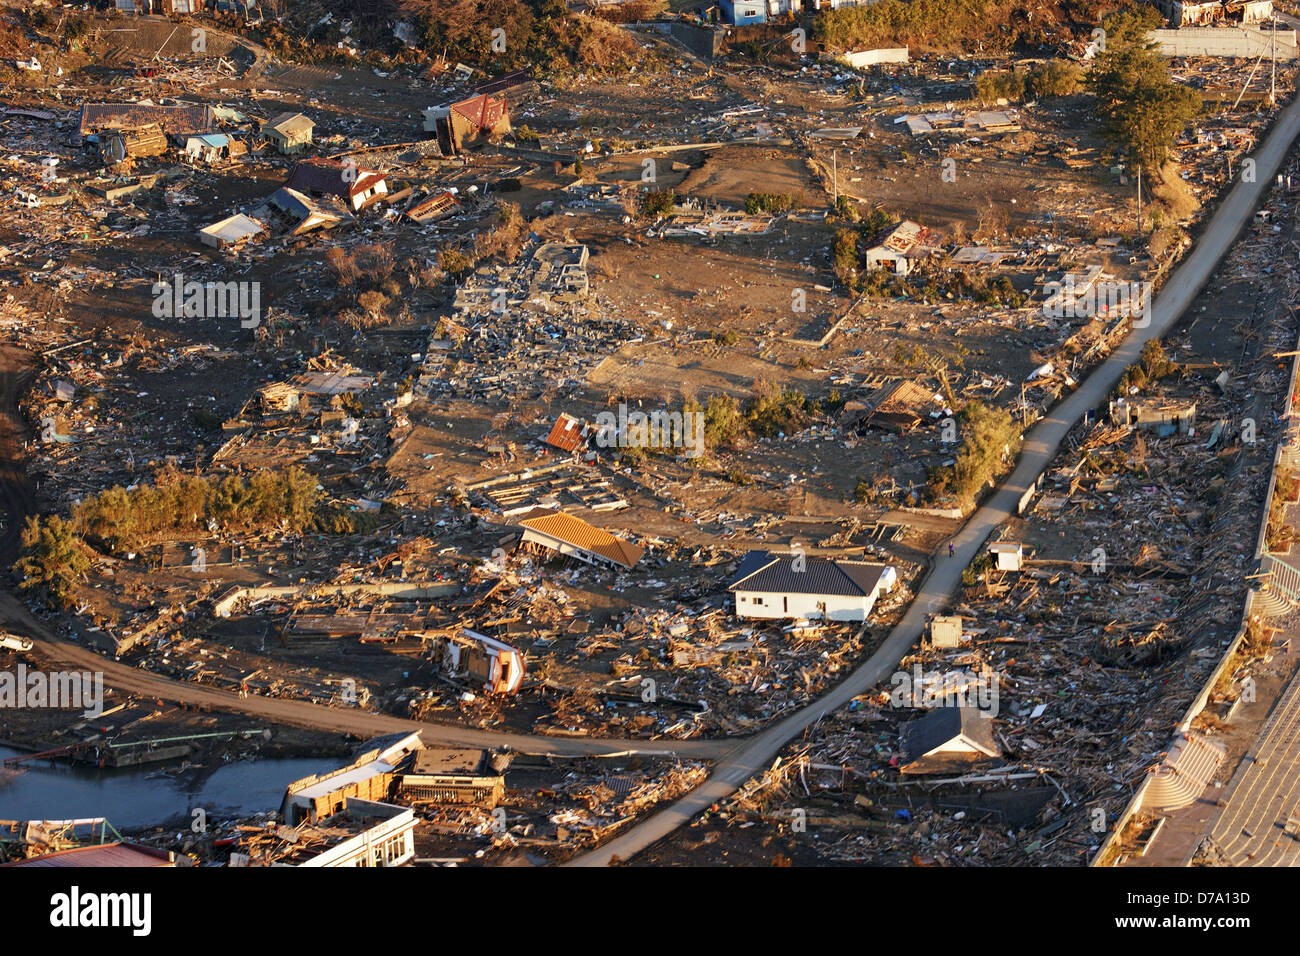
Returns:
<point x="656" y="202"/>
<point x="775" y="203"/>
<point x="993" y="85"/>
<point x="774" y="410"/>
<point x="454" y="262"/>
<point x="124" y="519"/>
<point x="991" y="438"/>
<point x="54" y="559"/>
<point x="342" y="265"/>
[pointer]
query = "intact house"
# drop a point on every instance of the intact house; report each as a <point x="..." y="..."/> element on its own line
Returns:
<point x="329" y="177"/>
<point x="771" y="585"/>
<point x="947" y="739"/>
<point x="743" y="12"/>
<point x="290" y="133"/>
<point x="550" y="530"/>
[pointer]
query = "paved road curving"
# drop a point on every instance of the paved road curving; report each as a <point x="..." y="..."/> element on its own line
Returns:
<point x="1041" y="443"/>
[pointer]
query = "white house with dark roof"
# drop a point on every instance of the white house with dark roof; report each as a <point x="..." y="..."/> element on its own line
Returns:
<point x="947" y="739"/>
<point x="772" y="585"/>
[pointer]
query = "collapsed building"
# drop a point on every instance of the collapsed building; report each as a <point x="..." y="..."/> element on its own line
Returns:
<point x="467" y="122"/>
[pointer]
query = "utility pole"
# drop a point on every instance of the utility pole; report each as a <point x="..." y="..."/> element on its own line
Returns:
<point x="1272" y="95"/>
<point x="1139" y="201"/>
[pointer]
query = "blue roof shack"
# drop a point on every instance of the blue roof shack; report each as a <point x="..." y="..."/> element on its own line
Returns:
<point x="744" y="12"/>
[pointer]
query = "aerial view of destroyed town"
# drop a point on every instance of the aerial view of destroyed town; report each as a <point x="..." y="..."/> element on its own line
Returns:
<point x="649" y="433"/>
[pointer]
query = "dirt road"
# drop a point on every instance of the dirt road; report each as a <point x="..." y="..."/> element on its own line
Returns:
<point x="18" y="500"/>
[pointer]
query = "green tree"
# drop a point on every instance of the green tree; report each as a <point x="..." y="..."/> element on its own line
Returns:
<point x="1140" y="108"/>
<point x="657" y="202"/>
<point x="54" y="559"/>
<point x="991" y="438"/>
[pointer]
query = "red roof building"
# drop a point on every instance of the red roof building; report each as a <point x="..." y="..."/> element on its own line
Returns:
<point x="567" y="434"/>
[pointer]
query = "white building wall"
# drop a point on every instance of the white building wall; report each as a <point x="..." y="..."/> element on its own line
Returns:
<point x="390" y="843"/>
<point x="776" y="605"/>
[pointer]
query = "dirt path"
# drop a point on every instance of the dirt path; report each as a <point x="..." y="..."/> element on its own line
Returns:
<point x="18" y="500"/>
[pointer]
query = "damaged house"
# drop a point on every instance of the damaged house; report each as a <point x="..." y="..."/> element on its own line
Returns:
<point x="299" y="214"/>
<point x="438" y="206"/>
<point x="568" y="434"/>
<point x="118" y="145"/>
<point x="361" y="833"/>
<point x="897" y="406"/>
<point x="1164" y="416"/>
<point x="369" y="777"/>
<point x="212" y="147"/>
<point x="469" y="655"/>
<point x="948" y="739"/>
<point x="328" y="177"/>
<point x="464" y="123"/>
<point x="898" y="248"/>
<point x="768" y="585"/>
<point x="96" y="118"/>
<point x="562" y="533"/>
<point x="231" y="231"/>
<point x="289" y="133"/>
<point x="1182" y="14"/>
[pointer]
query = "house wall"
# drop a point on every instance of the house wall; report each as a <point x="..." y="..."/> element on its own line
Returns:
<point x="777" y="605"/>
<point x="1211" y="41"/>
<point x="958" y="745"/>
<point x="388" y="843"/>
<point x="864" y="58"/>
<point x="1007" y="560"/>
<point x="289" y="144"/>
<point x="361" y="198"/>
<point x="743" y="12"/>
<point x="896" y="262"/>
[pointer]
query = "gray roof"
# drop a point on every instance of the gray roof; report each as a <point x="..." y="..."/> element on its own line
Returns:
<point x="943" y="724"/>
<point x="766" y="571"/>
<point x="288" y="123"/>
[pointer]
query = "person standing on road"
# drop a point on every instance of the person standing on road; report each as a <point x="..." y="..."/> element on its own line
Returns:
<point x="952" y="552"/>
